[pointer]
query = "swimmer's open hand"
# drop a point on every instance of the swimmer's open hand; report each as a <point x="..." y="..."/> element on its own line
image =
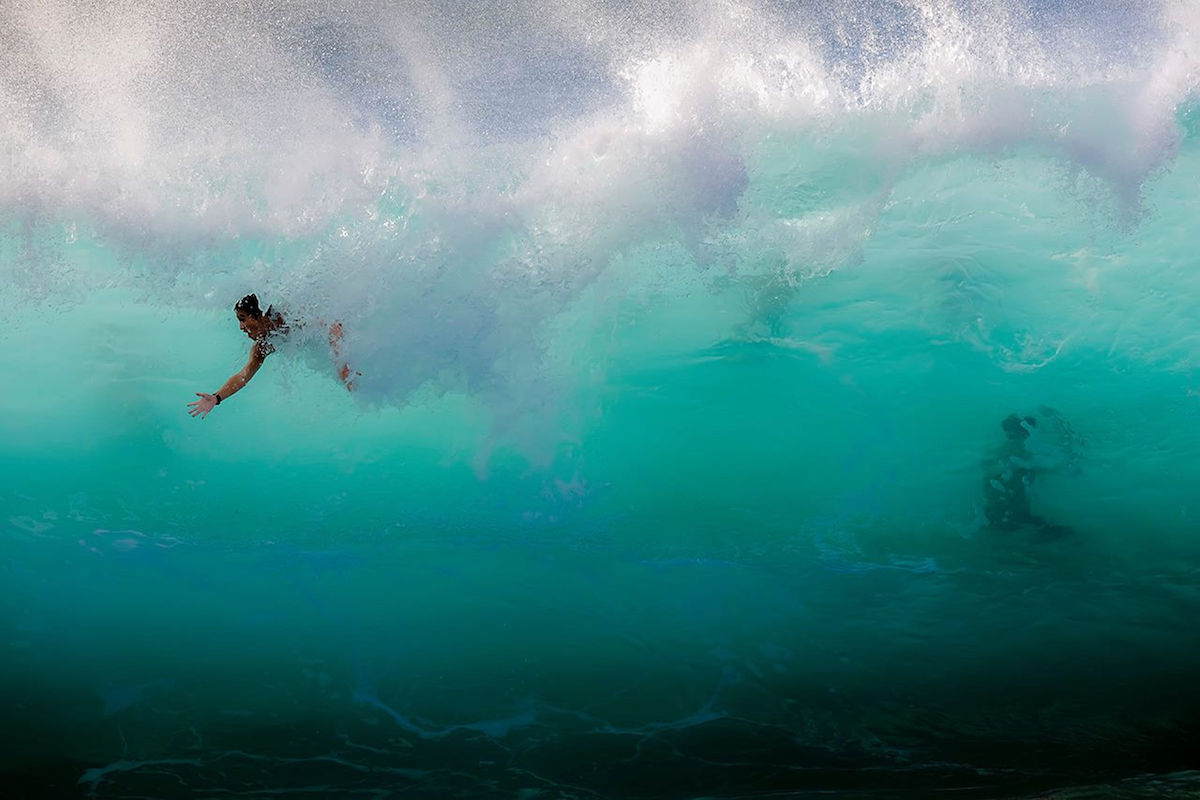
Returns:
<point x="201" y="407"/>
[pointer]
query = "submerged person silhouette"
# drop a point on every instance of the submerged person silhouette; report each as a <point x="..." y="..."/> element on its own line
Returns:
<point x="265" y="329"/>
<point x="1008" y="480"/>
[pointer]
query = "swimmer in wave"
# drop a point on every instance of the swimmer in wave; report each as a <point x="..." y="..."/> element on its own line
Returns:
<point x="264" y="328"/>
<point x="1010" y="476"/>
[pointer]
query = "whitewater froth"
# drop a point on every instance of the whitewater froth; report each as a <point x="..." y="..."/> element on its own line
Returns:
<point x="365" y="165"/>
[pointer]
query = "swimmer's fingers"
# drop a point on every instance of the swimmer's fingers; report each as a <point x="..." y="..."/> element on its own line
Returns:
<point x="202" y="406"/>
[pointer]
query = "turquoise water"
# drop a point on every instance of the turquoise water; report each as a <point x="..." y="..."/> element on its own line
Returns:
<point x="686" y="334"/>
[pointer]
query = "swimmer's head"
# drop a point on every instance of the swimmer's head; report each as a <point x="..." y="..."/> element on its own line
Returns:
<point x="1017" y="427"/>
<point x="248" y="305"/>
<point x="250" y="317"/>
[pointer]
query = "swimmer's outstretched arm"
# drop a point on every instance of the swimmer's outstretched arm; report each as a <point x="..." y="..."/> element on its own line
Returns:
<point x="208" y="402"/>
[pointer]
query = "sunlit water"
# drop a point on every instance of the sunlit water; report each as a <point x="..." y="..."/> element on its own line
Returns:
<point x="686" y="334"/>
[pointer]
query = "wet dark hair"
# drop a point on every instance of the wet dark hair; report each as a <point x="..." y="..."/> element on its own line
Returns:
<point x="249" y="304"/>
<point x="1017" y="428"/>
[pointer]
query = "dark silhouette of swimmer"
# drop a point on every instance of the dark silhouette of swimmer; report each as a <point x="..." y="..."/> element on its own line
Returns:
<point x="263" y="328"/>
<point x="1010" y="476"/>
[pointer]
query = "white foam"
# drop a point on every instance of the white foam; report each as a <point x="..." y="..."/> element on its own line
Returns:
<point x="363" y="164"/>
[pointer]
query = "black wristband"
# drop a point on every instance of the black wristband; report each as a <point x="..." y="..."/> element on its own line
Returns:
<point x="218" y="398"/>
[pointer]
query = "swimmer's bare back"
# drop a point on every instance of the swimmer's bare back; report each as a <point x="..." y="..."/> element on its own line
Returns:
<point x="335" y="338"/>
